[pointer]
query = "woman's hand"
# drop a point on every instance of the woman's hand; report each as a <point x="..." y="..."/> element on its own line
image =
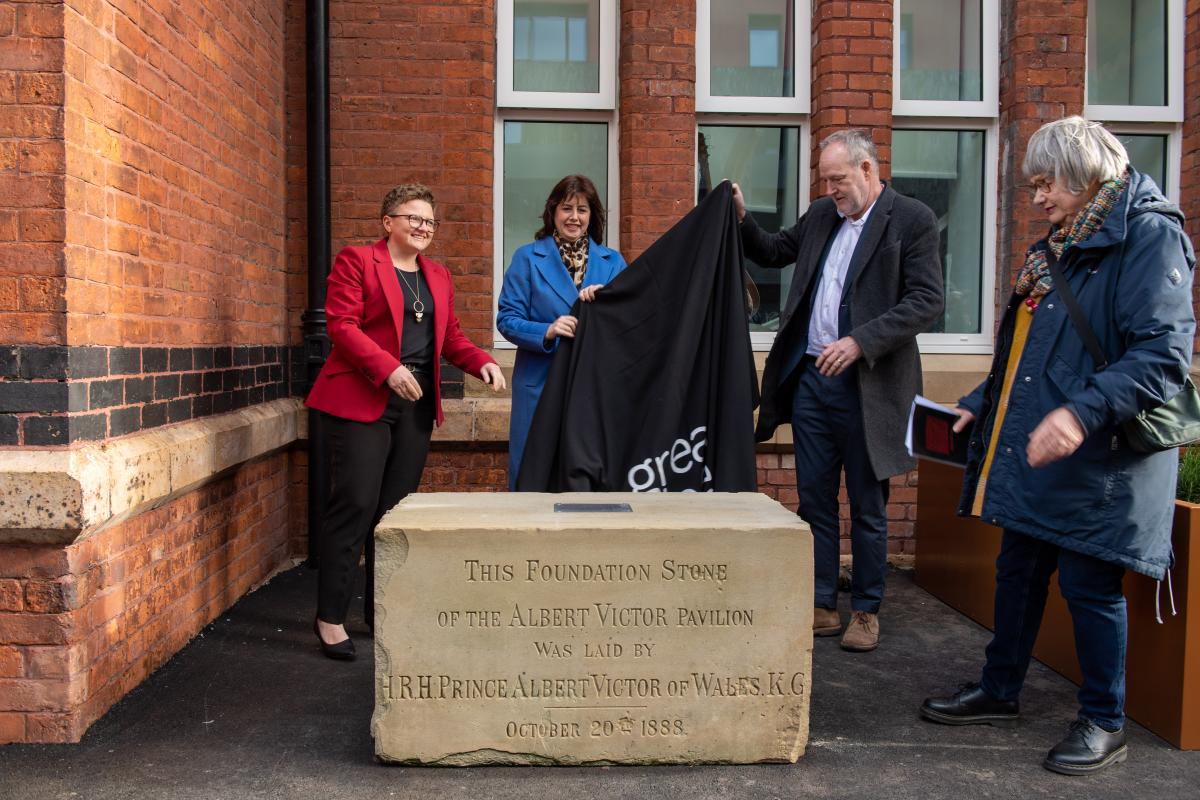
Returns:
<point x="402" y="382"/>
<point x="1057" y="436"/>
<point x="563" y="326"/>
<point x="588" y="293"/>
<point x="493" y="376"/>
<point x="739" y="202"/>
<point x="965" y="418"/>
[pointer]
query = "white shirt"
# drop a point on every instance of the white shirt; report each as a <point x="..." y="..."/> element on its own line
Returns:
<point x="823" y="324"/>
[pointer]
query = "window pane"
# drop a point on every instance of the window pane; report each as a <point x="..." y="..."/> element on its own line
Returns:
<point x="764" y="162"/>
<point x="1127" y="52"/>
<point x="751" y="48"/>
<point x="536" y="156"/>
<point x="556" y="46"/>
<point x="1148" y="154"/>
<point x="944" y="170"/>
<point x="941" y="42"/>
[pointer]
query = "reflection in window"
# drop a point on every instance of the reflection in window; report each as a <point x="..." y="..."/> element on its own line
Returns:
<point x="536" y="156"/>
<point x="1148" y="154"/>
<point x="940" y="50"/>
<point x="944" y="170"/>
<point x="555" y="46"/>
<point x="751" y="48"/>
<point x="763" y="161"/>
<point x="1127" y="52"/>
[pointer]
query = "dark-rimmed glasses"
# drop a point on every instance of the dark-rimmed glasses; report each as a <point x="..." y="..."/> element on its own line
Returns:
<point x="416" y="221"/>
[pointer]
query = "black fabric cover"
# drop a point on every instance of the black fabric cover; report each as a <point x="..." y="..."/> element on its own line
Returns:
<point x="657" y="390"/>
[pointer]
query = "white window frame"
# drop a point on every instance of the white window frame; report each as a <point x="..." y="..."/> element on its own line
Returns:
<point x="1174" y="135"/>
<point x="1176" y="78"/>
<point x="761" y="341"/>
<point x="981" y="342"/>
<point x="802" y="61"/>
<point x="605" y="98"/>
<point x="987" y="106"/>
<point x="612" y="234"/>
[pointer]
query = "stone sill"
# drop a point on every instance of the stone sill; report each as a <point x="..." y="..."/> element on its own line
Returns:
<point x="57" y="496"/>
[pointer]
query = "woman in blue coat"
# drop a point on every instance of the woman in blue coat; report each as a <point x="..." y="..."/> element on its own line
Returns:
<point x="1048" y="462"/>
<point x="563" y="263"/>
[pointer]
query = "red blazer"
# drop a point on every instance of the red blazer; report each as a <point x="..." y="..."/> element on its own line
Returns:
<point x="364" y="306"/>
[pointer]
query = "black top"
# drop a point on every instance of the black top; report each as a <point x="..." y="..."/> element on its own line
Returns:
<point x="416" y="346"/>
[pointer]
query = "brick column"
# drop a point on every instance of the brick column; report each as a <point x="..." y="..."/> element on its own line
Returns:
<point x="852" y="74"/>
<point x="1043" y="49"/>
<point x="657" y="118"/>
<point x="32" y="164"/>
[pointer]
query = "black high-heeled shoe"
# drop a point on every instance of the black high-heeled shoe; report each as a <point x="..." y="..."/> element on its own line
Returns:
<point x="342" y="651"/>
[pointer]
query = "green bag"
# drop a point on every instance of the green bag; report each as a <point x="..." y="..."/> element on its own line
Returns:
<point x="1174" y="423"/>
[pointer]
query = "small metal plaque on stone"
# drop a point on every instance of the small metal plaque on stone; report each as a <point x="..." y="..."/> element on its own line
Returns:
<point x="571" y="508"/>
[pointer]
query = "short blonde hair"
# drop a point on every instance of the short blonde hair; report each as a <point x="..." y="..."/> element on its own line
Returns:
<point x="1076" y="152"/>
<point x="403" y="193"/>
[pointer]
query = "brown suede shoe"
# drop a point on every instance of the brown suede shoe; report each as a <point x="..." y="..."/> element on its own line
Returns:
<point x="862" y="633"/>
<point x="826" y="622"/>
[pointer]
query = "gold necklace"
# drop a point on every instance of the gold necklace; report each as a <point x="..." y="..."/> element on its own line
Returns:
<point x="418" y="307"/>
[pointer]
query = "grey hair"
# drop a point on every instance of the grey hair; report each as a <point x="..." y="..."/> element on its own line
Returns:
<point x="1076" y="152"/>
<point x="858" y="144"/>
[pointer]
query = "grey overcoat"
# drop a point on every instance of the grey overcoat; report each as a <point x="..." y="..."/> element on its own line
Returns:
<point x="893" y="292"/>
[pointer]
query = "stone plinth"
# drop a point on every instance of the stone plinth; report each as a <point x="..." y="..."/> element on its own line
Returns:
<point x="678" y="632"/>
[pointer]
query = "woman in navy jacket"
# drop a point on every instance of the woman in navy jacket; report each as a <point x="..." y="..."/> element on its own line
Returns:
<point x="565" y="262"/>
<point x="1047" y="461"/>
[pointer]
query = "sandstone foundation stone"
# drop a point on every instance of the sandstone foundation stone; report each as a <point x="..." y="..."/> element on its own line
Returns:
<point x="677" y="632"/>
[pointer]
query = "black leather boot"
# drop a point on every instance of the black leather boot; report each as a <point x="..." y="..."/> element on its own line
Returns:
<point x="1087" y="748"/>
<point x="971" y="705"/>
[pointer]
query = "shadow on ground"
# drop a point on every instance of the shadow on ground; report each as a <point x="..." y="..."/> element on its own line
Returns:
<point x="251" y="709"/>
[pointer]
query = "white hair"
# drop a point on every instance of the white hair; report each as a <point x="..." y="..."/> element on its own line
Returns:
<point x="1076" y="152"/>
<point x="858" y="144"/>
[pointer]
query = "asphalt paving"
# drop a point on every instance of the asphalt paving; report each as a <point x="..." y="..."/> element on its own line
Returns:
<point x="250" y="709"/>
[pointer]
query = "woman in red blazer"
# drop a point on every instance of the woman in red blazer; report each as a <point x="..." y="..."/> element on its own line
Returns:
<point x="391" y="321"/>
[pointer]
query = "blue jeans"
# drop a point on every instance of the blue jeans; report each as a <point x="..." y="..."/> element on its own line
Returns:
<point x="1093" y="591"/>
<point x="827" y="434"/>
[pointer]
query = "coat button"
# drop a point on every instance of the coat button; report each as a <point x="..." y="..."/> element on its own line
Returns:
<point x="1028" y="379"/>
<point x="1008" y="450"/>
<point x="1050" y="306"/>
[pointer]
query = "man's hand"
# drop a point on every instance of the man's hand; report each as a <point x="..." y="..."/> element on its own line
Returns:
<point x="1057" y="436"/>
<point x="965" y="418"/>
<point x="563" y="326"/>
<point x="739" y="202"/>
<point x="836" y="358"/>
<point x="402" y="382"/>
<point x="493" y="376"/>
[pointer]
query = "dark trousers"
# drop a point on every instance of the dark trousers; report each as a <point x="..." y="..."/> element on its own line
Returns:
<point x="1092" y="589"/>
<point x="375" y="465"/>
<point x="827" y="433"/>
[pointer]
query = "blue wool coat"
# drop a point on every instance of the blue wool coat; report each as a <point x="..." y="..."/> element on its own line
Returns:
<point x="538" y="290"/>
<point x="1133" y="280"/>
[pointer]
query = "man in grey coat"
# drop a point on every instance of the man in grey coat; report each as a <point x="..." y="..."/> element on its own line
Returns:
<point x="844" y="366"/>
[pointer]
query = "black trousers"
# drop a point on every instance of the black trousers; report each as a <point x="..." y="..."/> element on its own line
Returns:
<point x="375" y="465"/>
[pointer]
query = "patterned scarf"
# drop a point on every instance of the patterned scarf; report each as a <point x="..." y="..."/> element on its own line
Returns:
<point x="574" y="256"/>
<point x="1034" y="279"/>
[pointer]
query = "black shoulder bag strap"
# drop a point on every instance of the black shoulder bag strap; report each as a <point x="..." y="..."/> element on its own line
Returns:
<point x="1075" y="312"/>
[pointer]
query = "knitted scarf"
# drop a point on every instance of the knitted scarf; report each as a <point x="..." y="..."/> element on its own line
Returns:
<point x="574" y="256"/>
<point x="1034" y="279"/>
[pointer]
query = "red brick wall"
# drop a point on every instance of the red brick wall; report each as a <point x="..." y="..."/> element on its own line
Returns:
<point x="81" y="626"/>
<point x="413" y="98"/>
<point x="1043" y="59"/>
<point x="852" y="74"/>
<point x="175" y="172"/>
<point x="658" y="118"/>
<point x="32" y="162"/>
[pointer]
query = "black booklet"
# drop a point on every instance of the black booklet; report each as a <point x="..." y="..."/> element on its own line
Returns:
<point x="931" y="433"/>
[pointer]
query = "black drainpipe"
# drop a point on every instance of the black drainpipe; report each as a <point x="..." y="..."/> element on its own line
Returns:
<point x="316" y="339"/>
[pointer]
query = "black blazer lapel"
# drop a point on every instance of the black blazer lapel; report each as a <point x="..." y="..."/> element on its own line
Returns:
<point x="871" y="236"/>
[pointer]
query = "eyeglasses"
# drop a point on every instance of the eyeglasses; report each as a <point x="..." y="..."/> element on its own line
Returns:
<point x="417" y="221"/>
<point x="1042" y="185"/>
